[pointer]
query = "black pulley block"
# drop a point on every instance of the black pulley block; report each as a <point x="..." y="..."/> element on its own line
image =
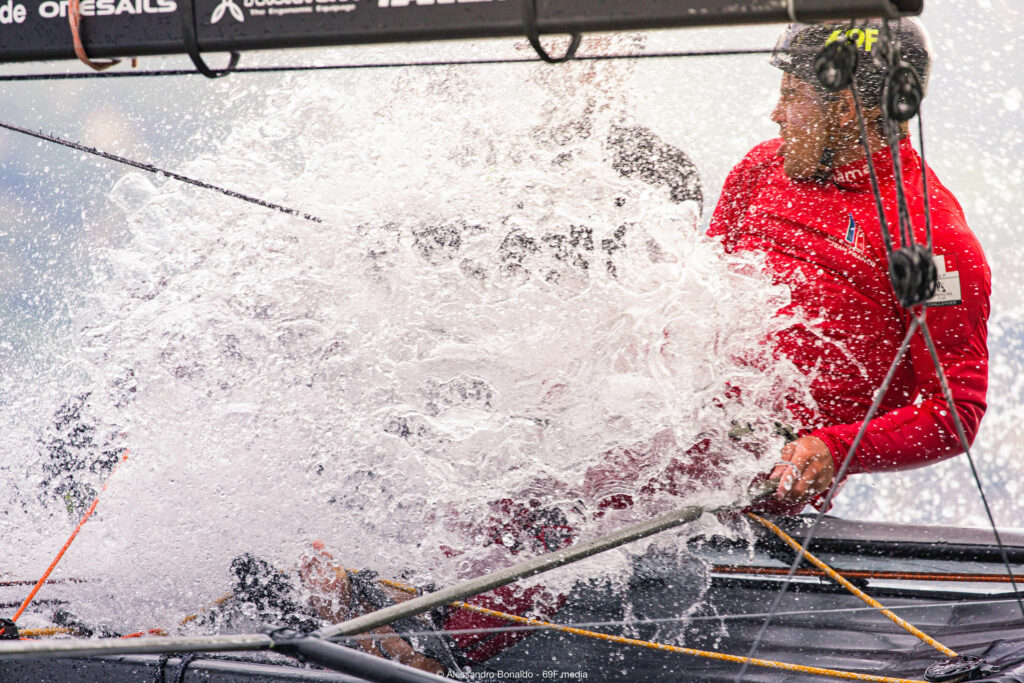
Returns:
<point x="913" y="275"/>
<point x="902" y="93"/>
<point x="835" y="64"/>
<point x="8" y="630"/>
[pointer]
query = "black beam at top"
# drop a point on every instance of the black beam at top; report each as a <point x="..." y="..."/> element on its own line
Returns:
<point x="38" y="29"/>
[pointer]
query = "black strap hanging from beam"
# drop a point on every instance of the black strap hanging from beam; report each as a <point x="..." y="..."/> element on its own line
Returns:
<point x="533" y="35"/>
<point x="191" y="42"/>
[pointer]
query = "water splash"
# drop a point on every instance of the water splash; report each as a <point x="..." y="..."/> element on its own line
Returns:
<point x="504" y="294"/>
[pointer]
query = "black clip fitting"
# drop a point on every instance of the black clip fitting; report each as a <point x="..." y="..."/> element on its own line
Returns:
<point x="835" y="64"/>
<point x="533" y="35"/>
<point x="959" y="668"/>
<point x="189" y="37"/>
<point x="281" y="633"/>
<point x="8" y="630"/>
<point x="913" y="275"/>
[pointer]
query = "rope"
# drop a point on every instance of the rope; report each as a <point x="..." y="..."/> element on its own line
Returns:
<point x="838" y="578"/>
<point x="147" y="632"/>
<point x="834" y="673"/>
<point x="75" y="21"/>
<point x="371" y="65"/>
<point x="876" y="191"/>
<point x="917" y="322"/>
<point x="7" y="584"/>
<point x="216" y="603"/>
<point x="183" y="664"/>
<point x="67" y="543"/>
<point x="158" y="171"/>
<point x="64" y="630"/>
<point x="46" y="632"/>
<point x="924" y="187"/>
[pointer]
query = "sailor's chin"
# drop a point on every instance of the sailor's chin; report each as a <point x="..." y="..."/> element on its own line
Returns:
<point x="796" y="169"/>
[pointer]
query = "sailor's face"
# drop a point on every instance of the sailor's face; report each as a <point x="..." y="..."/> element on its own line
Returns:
<point x="802" y="121"/>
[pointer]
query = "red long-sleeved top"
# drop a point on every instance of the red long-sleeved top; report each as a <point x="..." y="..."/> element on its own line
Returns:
<point x="824" y="241"/>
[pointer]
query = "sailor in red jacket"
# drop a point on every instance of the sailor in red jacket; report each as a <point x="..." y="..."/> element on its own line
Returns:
<point x="805" y="201"/>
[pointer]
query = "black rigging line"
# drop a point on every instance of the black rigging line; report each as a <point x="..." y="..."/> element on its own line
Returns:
<point x="370" y="65"/>
<point x="159" y="171"/>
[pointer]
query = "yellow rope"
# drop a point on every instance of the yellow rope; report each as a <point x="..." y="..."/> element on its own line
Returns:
<point x="216" y="603"/>
<point x="834" y="673"/>
<point x="853" y="589"/>
<point x="43" y="632"/>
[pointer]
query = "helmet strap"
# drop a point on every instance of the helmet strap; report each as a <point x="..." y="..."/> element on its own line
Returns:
<point x="828" y="152"/>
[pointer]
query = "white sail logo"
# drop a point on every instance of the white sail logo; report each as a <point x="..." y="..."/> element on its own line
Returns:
<point x="226" y="6"/>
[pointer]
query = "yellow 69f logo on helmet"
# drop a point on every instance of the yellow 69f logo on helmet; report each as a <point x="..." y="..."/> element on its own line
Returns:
<point x="865" y="39"/>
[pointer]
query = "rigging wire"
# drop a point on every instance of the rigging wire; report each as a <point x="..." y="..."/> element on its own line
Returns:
<point x="380" y="65"/>
<point x="150" y="168"/>
<point x="866" y="574"/>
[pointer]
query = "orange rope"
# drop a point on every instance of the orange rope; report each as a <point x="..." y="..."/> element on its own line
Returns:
<point x="74" y="21"/>
<point x="67" y="543"/>
<point x="149" y="632"/>
<point x="853" y="589"/>
<point x="216" y="603"/>
<point x="785" y="666"/>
